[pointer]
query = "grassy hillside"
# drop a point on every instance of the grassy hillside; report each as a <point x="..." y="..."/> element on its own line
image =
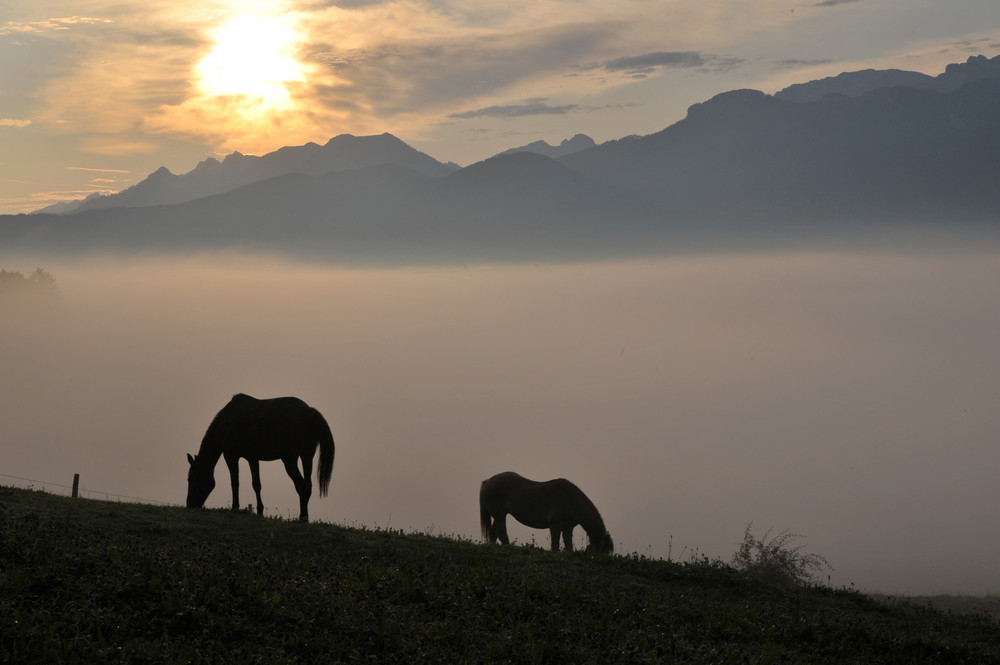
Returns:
<point x="92" y="581"/>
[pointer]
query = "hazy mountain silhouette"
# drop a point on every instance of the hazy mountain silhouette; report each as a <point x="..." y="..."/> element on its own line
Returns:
<point x="742" y="168"/>
<point x="893" y="153"/>
<point x="212" y="177"/>
<point x="513" y="205"/>
<point x="855" y="84"/>
<point x="566" y="147"/>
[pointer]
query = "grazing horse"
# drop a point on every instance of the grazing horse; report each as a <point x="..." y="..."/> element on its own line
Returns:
<point x="284" y="428"/>
<point x="557" y="505"/>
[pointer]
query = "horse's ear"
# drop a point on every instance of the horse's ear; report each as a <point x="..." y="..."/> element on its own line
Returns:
<point x="190" y="459"/>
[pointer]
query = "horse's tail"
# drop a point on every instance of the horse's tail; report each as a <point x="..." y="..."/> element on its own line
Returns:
<point x="326" y="449"/>
<point x="485" y="519"/>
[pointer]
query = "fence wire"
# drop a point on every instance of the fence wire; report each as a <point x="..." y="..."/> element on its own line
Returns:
<point x="96" y="494"/>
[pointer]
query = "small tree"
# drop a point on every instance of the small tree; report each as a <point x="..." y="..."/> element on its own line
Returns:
<point x="774" y="559"/>
<point x="43" y="280"/>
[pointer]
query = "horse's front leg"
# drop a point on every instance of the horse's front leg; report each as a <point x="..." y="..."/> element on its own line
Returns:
<point x="233" y="463"/>
<point x="255" y="481"/>
<point x="302" y="485"/>
<point x="307" y="483"/>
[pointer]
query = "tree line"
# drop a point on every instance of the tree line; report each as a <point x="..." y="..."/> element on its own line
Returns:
<point x="39" y="282"/>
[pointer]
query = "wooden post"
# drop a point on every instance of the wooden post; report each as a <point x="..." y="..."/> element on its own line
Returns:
<point x="76" y="484"/>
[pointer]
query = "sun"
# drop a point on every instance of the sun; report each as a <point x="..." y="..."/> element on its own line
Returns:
<point x="253" y="58"/>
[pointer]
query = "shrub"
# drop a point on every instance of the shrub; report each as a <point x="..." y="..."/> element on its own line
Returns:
<point x="776" y="560"/>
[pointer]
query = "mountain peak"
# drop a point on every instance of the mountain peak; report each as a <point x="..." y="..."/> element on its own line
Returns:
<point x="566" y="147"/>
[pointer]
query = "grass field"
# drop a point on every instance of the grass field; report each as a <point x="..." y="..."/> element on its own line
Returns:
<point x="93" y="581"/>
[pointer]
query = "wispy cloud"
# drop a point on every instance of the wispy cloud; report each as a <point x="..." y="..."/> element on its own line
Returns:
<point x="11" y="122"/>
<point x="533" y="107"/>
<point x="648" y="62"/>
<point x="87" y="168"/>
<point x="47" y="25"/>
<point x="796" y="62"/>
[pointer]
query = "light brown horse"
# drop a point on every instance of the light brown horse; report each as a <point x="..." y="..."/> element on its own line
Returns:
<point x="557" y="505"/>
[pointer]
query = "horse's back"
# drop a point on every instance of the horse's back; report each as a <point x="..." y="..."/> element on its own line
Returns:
<point x="246" y="403"/>
<point x="531" y="502"/>
<point x="255" y="412"/>
<point x="264" y="428"/>
<point x="504" y="479"/>
<point x="510" y="482"/>
<point x="504" y="485"/>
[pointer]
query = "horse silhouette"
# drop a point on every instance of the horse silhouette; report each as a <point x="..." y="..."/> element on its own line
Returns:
<point x="257" y="430"/>
<point x="557" y="505"/>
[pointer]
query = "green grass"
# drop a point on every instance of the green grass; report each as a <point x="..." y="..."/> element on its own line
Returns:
<point x="92" y="581"/>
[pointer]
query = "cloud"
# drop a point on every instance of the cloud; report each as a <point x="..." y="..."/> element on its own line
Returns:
<point x="436" y="72"/>
<point x="832" y="3"/>
<point x="640" y="66"/>
<point x="47" y="25"/>
<point x="11" y="122"/>
<point x="534" y="107"/>
<point x="647" y="62"/>
<point x="87" y="168"/>
<point x="799" y="62"/>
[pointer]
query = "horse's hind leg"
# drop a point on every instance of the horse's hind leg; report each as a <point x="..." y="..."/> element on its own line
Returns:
<point x="302" y="485"/>
<point x="255" y="481"/>
<point x="554" y="531"/>
<point x="568" y="538"/>
<point x="498" y="530"/>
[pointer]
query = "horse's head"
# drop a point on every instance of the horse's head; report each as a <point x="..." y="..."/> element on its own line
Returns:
<point x="602" y="544"/>
<point x="201" y="482"/>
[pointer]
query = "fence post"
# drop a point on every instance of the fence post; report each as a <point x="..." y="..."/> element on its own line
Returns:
<point x="76" y="483"/>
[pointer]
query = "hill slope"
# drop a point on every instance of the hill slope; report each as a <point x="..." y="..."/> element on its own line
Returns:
<point x="94" y="581"/>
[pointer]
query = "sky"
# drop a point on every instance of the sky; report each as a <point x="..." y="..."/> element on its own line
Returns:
<point x="97" y="94"/>
<point x="849" y="397"/>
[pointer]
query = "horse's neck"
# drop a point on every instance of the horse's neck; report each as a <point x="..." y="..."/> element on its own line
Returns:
<point x="210" y="451"/>
<point x="590" y="518"/>
<point x="594" y="525"/>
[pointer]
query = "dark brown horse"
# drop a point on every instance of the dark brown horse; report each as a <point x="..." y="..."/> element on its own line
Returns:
<point x="557" y="505"/>
<point x="257" y="430"/>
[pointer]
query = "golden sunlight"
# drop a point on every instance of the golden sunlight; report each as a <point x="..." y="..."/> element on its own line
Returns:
<point x="253" y="57"/>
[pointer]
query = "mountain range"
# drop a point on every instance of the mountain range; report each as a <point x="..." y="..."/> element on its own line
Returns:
<point x="862" y="151"/>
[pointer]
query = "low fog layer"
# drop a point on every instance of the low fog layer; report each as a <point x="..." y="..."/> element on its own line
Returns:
<point x="848" y="397"/>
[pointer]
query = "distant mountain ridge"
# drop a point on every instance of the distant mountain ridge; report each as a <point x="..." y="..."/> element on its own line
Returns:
<point x="891" y="154"/>
<point x="741" y="167"/>
<point x="210" y="177"/>
<point x="855" y="84"/>
<point x="566" y="147"/>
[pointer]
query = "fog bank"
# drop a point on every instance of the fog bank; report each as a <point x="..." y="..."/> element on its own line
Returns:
<point x="849" y="397"/>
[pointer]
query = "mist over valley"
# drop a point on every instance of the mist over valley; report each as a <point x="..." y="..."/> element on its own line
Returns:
<point x="848" y="397"/>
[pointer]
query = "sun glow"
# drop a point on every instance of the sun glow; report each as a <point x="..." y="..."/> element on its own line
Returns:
<point x="253" y="58"/>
